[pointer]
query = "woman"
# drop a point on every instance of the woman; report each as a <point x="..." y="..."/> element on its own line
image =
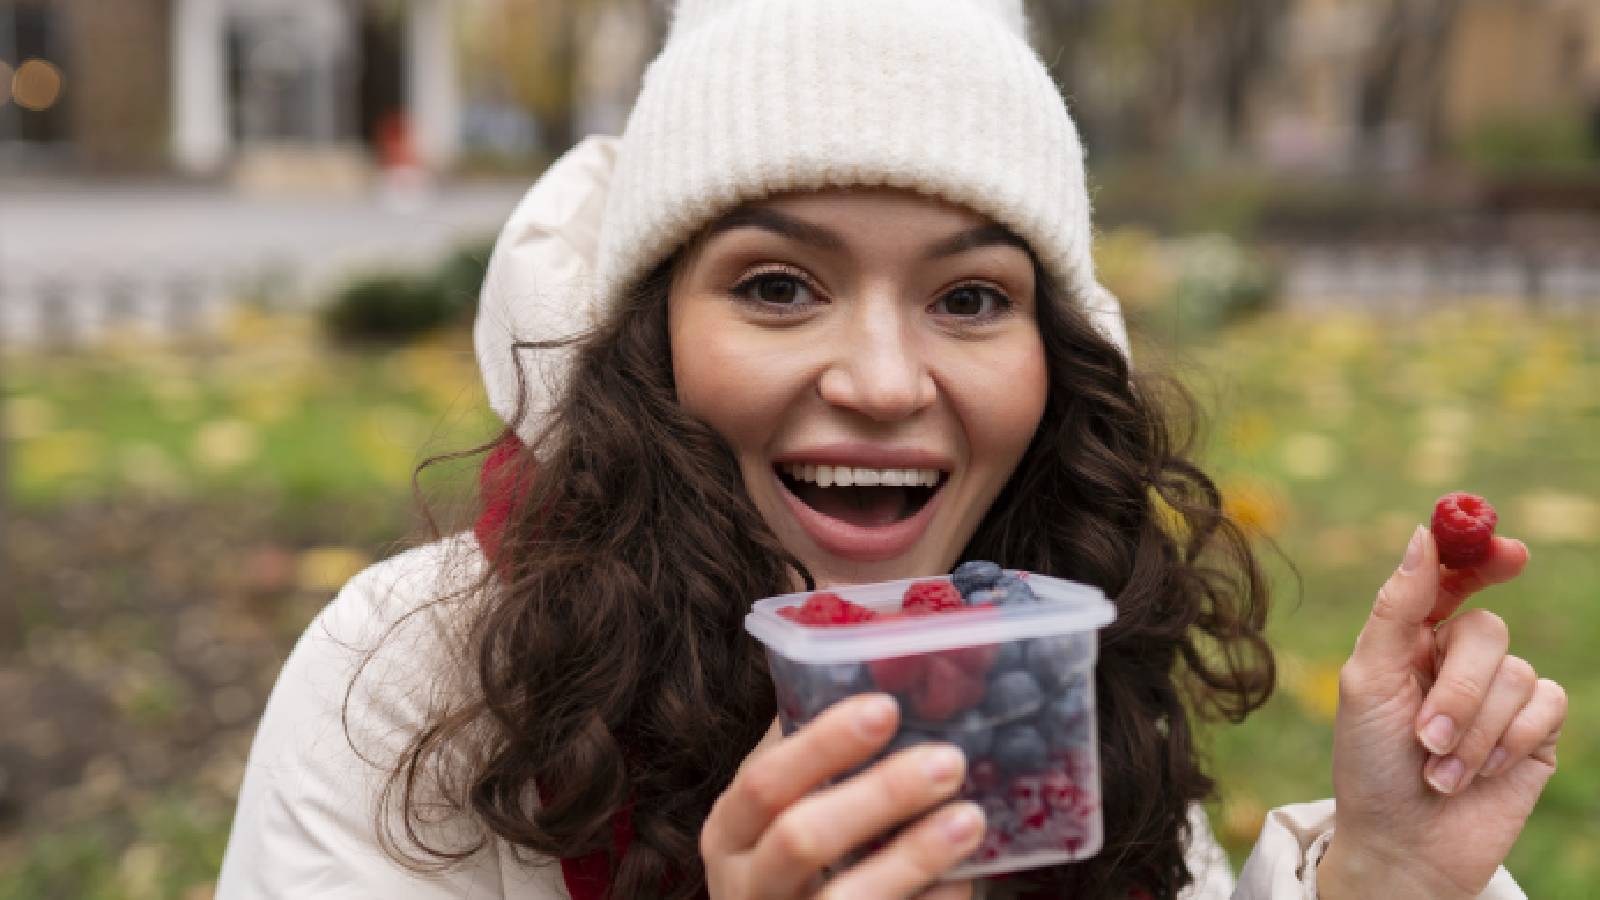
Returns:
<point x="849" y="234"/>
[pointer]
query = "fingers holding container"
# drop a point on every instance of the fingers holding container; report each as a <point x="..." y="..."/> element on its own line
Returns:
<point x="776" y="829"/>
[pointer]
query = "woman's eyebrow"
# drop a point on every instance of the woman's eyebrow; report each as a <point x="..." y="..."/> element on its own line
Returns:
<point x="990" y="235"/>
<point x="822" y="237"/>
<point x="776" y="222"/>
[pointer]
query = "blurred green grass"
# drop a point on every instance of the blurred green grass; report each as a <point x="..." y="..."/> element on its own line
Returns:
<point x="273" y="411"/>
<point x="1332" y="435"/>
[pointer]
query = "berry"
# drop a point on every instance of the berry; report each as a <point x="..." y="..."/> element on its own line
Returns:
<point x="1027" y="796"/>
<point x="931" y="597"/>
<point x="1463" y="525"/>
<point x="907" y="738"/>
<point x="1008" y="591"/>
<point x="1012" y="696"/>
<point x="1065" y="719"/>
<point x="944" y="690"/>
<point x="1019" y="748"/>
<point x="975" y="576"/>
<point x="1007" y="656"/>
<point x="1060" y="791"/>
<point x="826" y="608"/>
<point x="971" y="732"/>
<point x="1016" y="590"/>
<point x="982" y="776"/>
<point x="828" y="684"/>
<point x="898" y="674"/>
<point x="1053" y="659"/>
<point x="973" y="660"/>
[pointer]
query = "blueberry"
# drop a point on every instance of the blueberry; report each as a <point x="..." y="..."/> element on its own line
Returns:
<point x="971" y="732"/>
<point x="907" y="738"/>
<point x="1012" y="695"/>
<point x="1065" y="719"/>
<point x="1054" y="659"/>
<point x="1008" y="656"/>
<point x="975" y="576"/>
<point x="1019" y="748"/>
<point x="988" y="595"/>
<point x="824" y="685"/>
<point x="904" y="739"/>
<point x="1014" y="590"/>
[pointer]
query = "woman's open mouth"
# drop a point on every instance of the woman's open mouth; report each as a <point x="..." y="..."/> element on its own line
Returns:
<point x="866" y="514"/>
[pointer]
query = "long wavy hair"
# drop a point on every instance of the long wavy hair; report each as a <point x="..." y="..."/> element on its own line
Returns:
<point x="606" y="669"/>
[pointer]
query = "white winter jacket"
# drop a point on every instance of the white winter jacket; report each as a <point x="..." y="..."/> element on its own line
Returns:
<point x="305" y="826"/>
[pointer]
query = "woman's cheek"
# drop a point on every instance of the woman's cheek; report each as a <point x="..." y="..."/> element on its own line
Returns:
<point x="1003" y="396"/>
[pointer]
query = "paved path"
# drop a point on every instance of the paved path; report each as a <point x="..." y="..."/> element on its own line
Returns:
<point x="63" y="249"/>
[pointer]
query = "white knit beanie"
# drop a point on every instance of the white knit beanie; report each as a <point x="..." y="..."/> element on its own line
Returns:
<point x="751" y="98"/>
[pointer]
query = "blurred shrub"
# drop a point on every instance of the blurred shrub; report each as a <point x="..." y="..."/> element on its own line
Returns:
<point x="394" y="307"/>
<point x="1524" y="142"/>
<point x="1183" y="287"/>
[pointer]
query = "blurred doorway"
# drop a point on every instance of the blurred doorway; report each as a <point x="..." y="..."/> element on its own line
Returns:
<point x="381" y="73"/>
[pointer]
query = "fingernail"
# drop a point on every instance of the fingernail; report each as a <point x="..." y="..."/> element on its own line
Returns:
<point x="874" y="717"/>
<point x="942" y="764"/>
<point x="1446" y="775"/>
<point x="961" y="824"/>
<point x="1439" y="734"/>
<point x="1413" y="557"/>
<point x="1495" y="759"/>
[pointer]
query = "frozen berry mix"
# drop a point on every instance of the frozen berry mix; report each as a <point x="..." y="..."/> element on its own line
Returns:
<point x="1021" y="709"/>
<point x="1463" y="527"/>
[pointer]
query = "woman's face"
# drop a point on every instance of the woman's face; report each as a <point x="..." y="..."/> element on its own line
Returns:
<point x="873" y="358"/>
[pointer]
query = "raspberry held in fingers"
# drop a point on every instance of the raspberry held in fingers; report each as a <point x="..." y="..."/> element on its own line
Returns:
<point x="1463" y="526"/>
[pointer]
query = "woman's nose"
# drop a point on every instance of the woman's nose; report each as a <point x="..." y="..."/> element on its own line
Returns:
<point x="877" y="368"/>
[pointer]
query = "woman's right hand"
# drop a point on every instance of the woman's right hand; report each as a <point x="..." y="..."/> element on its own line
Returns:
<point x="772" y="832"/>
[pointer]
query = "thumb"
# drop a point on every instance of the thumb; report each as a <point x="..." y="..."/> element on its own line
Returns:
<point x="1404" y="604"/>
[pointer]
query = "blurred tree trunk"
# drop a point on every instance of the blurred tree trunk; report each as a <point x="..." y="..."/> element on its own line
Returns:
<point x="1176" y="68"/>
<point x="565" y="53"/>
<point x="1403" y="75"/>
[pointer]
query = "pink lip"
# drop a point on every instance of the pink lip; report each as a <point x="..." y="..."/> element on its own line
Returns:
<point x="856" y="542"/>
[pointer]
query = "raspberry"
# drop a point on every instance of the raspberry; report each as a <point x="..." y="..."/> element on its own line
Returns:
<point x="898" y="674"/>
<point x="1463" y="525"/>
<point x="826" y="608"/>
<point x="931" y="597"/>
<point x="944" y="690"/>
<point x="974" y="660"/>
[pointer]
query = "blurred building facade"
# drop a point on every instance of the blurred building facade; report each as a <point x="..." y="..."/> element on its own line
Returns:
<point x="199" y="86"/>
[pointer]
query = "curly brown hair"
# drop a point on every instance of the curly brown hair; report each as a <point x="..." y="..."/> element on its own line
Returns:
<point x="610" y="672"/>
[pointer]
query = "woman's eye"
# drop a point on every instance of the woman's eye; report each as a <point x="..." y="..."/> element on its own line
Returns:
<point x="775" y="289"/>
<point x="973" y="302"/>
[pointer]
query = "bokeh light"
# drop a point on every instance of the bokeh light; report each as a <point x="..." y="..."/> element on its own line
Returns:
<point x="36" y="85"/>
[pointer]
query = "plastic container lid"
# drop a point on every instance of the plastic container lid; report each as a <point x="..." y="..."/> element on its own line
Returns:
<point x="1064" y="607"/>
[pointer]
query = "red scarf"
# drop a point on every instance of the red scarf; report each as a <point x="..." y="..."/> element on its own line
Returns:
<point x="500" y="488"/>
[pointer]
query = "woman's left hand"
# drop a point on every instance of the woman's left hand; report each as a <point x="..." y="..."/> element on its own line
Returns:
<point x="1443" y="742"/>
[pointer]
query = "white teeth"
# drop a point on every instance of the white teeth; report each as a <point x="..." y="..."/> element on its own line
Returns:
<point x="848" y="476"/>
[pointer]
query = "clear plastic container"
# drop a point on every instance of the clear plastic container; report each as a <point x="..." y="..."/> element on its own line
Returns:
<point x="1013" y="686"/>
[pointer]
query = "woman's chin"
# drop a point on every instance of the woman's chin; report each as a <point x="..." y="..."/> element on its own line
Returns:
<point x="831" y="571"/>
